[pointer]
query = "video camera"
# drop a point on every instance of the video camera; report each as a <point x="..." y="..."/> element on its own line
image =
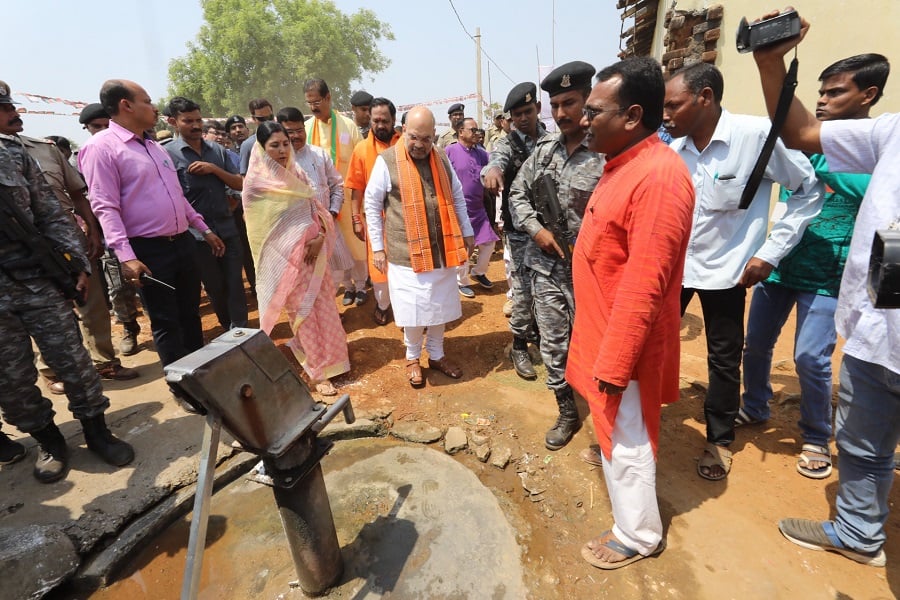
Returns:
<point x="884" y="269"/>
<point x="751" y="36"/>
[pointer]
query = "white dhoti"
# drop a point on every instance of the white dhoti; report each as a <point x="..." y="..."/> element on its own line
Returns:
<point x="631" y="477"/>
<point x="423" y="299"/>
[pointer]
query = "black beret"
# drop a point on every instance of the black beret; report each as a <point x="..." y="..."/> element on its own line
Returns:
<point x="361" y="98"/>
<point x="232" y="120"/>
<point x="91" y="112"/>
<point x="522" y="94"/>
<point x="575" y="75"/>
<point x="456" y="108"/>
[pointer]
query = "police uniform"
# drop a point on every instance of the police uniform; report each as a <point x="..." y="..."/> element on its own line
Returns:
<point x="450" y="136"/>
<point x="508" y="155"/>
<point x="575" y="176"/>
<point x="94" y="315"/>
<point x="32" y="306"/>
<point x="362" y="98"/>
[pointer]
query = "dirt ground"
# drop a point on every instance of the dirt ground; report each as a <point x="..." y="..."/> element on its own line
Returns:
<point x="723" y="540"/>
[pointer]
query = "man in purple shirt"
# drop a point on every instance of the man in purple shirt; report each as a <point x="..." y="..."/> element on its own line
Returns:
<point x="135" y="193"/>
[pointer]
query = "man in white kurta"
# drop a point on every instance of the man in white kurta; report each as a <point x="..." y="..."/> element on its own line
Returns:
<point x="420" y="232"/>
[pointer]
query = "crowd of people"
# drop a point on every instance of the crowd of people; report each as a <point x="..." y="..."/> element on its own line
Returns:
<point x="608" y="233"/>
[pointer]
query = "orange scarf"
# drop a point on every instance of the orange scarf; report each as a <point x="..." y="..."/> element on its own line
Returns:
<point x="374" y="147"/>
<point x="412" y="196"/>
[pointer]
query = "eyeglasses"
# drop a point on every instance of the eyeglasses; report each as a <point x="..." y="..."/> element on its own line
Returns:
<point x="590" y="113"/>
<point x="470" y="129"/>
<point x="262" y="118"/>
<point x="315" y="103"/>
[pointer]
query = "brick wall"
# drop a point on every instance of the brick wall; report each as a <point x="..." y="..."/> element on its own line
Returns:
<point x="691" y="37"/>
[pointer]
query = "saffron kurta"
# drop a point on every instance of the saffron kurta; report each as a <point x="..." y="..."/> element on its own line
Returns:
<point x="627" y="267"/>
<point x="361" y="163"/>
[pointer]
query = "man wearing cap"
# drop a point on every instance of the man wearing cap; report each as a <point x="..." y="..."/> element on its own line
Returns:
<point x="498" y="130"/>
<point x="122" y="294"/>
<point x="562" y="163"/>
<point x="135" y="193"/>
<point x="338" y="136"/>
<point x="456" y="112"/>
<point x="362" y="115"/>
<point x="506" y="159"/>
<point x="383" y="136"/>
<point x="730" y="250"/>
<point x="236" y="128"/>
<point x="420" y="232"/>
<point x="32" y="306"/>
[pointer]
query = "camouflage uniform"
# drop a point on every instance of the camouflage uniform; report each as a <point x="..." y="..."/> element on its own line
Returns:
<point x="32" y="306"/>
<point x="576" y="177"/>
<point x="505" y="158"/>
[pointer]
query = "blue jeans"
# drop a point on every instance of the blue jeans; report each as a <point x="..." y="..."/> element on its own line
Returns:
<point x="867" y="429"/>
<point x="813" y="346"/>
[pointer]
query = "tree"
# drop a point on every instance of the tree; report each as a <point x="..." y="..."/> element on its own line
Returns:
<point x="268" y="48"/>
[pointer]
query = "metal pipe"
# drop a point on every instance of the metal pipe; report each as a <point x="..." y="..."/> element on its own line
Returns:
<point x="309" y="527"/>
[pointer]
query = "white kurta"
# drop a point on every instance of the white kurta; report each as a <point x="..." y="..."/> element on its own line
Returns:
<point x="418" y="299"/>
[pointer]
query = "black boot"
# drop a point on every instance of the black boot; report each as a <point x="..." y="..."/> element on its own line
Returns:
<point x="10" y="451"/>
<point x="53" y="454"/>
<point x="521" y="360"/>
<point x="129" y="344"/>
<point x="104" y="444"/>
<point x="567" y="423"/>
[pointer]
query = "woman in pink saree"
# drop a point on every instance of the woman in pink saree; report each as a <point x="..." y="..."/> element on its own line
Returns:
<point x="291" y="238"/>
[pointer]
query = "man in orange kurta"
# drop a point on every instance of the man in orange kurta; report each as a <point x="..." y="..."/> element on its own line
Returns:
<point x="627" y="269"/>
<point x="383" y="115"/>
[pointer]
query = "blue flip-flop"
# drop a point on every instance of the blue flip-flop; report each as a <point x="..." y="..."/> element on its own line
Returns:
<point x="631" y="555"/>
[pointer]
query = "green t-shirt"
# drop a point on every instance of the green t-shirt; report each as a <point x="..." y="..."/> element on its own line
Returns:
<point x="816" y="263"/>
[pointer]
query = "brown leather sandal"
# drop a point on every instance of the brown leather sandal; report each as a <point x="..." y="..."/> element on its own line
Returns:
<point x="446" y="367"/>
<point x="414" y="373"/>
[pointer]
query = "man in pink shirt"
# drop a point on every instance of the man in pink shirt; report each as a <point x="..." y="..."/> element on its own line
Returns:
<point x="135" y="194"/>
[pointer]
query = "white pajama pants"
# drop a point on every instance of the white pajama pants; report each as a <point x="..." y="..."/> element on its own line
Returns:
<point x="631" y="478"/>
<point x="434" y="341"/>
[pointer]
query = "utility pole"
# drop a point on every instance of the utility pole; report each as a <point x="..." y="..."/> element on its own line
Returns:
<point x="478" y="75"/>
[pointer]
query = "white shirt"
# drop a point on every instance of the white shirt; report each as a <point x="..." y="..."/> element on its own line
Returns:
<point x="377" y="190"/>
<point x="724" y="237"/>
<point x="867" y="146"/>
<point x="327" y="180"/>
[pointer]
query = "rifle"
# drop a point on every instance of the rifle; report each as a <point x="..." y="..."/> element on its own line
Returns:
<point x="555" y="221"/>
<point x="55" y="263"/>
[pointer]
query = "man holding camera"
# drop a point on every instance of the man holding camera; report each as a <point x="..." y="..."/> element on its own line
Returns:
<point x="729" y="250"/>
<point x="867" y="425"/>
<point x="811" y="274"/>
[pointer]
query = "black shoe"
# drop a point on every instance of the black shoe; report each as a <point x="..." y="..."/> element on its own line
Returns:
<point x="361" y="297"/>
<point x="567" y="423"/>
<point x="104" y="444"/>
<point x="521" y="361"/>
<point x="53" y="454"/>
<point x="10" y="451"/>
<point x="349" y="297"/>
<point x="482" y="280"/>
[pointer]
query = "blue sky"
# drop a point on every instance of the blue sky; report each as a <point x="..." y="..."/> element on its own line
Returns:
<point x="72" y="47"/>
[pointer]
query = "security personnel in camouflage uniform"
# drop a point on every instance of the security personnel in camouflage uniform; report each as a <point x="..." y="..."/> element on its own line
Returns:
<point x="32" y="306"/>
<point x="507" y="158"/>
<point x="573" y="171"/>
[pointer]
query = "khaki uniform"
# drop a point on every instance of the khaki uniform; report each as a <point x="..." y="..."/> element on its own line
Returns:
<point x="94" y="315"/>
<point x="447" y="138"/>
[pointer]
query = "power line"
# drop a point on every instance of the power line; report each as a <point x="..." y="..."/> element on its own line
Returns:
<point x="471" y="37"/>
